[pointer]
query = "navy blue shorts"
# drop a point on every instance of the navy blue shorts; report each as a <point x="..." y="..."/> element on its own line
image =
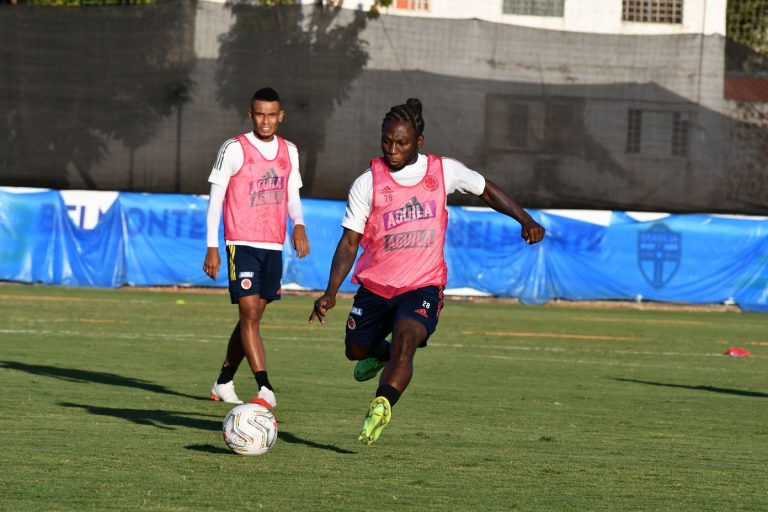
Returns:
<point x="373" y="317"/>
<point x="254" y="272"/>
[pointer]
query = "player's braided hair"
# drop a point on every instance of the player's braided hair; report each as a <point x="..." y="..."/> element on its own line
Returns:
<point x="409" y="111"/>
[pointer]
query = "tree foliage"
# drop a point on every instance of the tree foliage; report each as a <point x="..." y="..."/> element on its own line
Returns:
<point x="76" y="78"/>
<point x="311" y="55"/>
<point x="747" y="23"/>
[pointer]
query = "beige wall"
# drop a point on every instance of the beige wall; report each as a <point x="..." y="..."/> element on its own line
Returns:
<point x="597" y="16"/>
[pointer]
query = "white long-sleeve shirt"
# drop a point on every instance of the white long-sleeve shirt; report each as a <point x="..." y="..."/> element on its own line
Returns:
<point x="228" y="162"/>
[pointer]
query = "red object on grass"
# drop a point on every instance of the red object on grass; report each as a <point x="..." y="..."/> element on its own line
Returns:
<point x="737" y="352"/>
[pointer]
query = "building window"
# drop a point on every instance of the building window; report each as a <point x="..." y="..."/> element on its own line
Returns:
<point x="517" y="125"/>
<point x="634" y="131"/>
<point x="656" y="133"/>
<point x="534" y="7"/>
<point x="652" y="11"/>
<point x="679" y="135"/>
<point x="564" y="124"/>
<point x="412" y="5"/>
<point x="532" y="124"/>
<point x="510" y="123"/>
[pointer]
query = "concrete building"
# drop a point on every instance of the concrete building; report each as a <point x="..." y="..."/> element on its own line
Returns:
<point x="627" y="17"/>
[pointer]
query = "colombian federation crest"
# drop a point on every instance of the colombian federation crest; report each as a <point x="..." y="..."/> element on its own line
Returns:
<point x="430" y="182"/>
<point x="658" y="254"/>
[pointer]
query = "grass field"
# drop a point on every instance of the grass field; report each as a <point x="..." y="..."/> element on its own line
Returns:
<point x="105" y="407"/>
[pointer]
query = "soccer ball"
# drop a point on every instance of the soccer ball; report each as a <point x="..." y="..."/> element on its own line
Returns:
<point x="250" y="429"/>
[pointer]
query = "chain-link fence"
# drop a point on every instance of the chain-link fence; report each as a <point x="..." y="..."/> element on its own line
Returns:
<point x="139" y="98"/>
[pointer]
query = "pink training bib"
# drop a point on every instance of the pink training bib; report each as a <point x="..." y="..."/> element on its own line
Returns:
<point x="405" y="233"/>
<point x="255" y="206"/>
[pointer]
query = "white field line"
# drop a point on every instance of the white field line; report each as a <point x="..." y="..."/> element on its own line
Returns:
<point x="580" y="350"/>
<point x="668" y="363"/>
<point x="640" y="321"/>
<point x="600" y="362"/>
<point x="338" y="339"/>
<point x="567" y="361"/>
<point x="160" y="336"/>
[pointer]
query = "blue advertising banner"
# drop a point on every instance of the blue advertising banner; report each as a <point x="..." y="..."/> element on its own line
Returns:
<point x="159" y="240"/>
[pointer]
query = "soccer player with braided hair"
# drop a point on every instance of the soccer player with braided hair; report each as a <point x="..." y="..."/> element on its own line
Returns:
<point x="397" y="212"/>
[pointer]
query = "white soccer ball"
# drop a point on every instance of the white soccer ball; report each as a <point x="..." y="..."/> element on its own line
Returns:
<point x="250" y="429"/>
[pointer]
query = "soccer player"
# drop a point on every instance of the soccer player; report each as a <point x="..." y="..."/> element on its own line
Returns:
<point x="397" y="211"/>
<point x="255" y="181"/>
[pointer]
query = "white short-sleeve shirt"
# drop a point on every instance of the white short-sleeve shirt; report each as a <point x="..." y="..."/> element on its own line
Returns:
<point x="458" y="178"/>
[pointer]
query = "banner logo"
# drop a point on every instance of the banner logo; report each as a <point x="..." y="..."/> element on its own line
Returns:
<point x="658" y="254"/>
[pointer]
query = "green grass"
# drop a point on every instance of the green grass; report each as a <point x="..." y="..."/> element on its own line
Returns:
<point x="105" y="407"/>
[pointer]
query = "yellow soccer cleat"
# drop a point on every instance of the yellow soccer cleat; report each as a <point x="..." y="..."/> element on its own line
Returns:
<point x="379" y="414"/>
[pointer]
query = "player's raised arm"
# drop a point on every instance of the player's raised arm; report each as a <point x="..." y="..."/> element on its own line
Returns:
<point x="343" y="259"/>
<point x="500" y="201"/>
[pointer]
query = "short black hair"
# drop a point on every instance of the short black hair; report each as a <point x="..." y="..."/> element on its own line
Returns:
<point x="265" y="94"/>
<point x="409" y="111"/>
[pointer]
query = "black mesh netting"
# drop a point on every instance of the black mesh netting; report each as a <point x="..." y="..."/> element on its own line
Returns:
<point x="140" y="98"/>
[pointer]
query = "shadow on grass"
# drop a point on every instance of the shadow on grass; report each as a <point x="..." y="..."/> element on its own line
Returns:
<point x="727" y="391"/>
<point x="290" y="438"/>
<point x="209" y="448"/>
<point x="166" y="420"/>
<point x="282" y="435"/>
<point x="83" y="376"/>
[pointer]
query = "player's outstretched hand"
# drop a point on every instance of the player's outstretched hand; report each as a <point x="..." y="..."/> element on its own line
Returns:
<point x="300" y="241"/>
<point x="321" y="307"/>
<point x="532" y="232"/>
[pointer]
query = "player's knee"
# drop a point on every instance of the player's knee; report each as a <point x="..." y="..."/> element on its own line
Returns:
<point x="251" y="313"/>
<point x="410" y="337"/>
<point x="404" y="346"/>
<point x="409" y="334"/>
<point x="251" y="308"/>
<point x="250" y="316"/>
